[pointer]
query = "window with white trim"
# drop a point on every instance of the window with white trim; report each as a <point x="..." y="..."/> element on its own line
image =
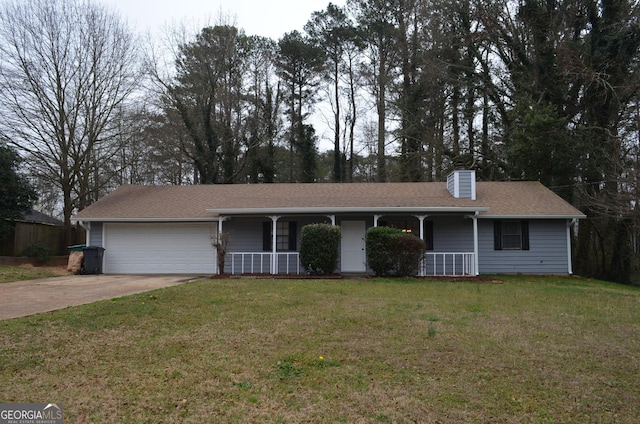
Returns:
<point x="511" y="235"/>
<point x="286" y="236"/>
<point x="282" y="235"/>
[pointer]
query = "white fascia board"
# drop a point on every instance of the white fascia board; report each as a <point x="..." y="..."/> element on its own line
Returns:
<point x="531" y="216"/>
<point x="339" y="210"/>
<point x="211" y="219"/>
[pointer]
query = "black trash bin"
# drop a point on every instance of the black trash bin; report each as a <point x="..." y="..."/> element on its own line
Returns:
<point x="92" y="262"/>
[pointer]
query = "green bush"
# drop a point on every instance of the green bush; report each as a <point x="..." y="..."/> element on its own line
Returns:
<point x="407" y="251"/>
<point x="39" y="251"/>
<point x="378" y="244"/>
<point x="392" y="252"/>
<point x="319" y="247"/>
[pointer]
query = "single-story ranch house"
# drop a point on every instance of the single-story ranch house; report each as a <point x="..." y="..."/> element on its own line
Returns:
<point x="469" y="228"/>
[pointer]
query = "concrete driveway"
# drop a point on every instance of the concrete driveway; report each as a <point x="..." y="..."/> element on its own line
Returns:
<point x="31" y="297"/>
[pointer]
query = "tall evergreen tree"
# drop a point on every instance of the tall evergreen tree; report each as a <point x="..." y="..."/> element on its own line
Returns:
<point x="264" y="121"/>
<point x="17" y="195"/>
<point x="571" y="72"/>
<point x="377" y="29"/>
<point x="299" y="63"/>
<point x="208" y="95"/>
<point x="610" y="81"/>
<point x="332" y="31"/>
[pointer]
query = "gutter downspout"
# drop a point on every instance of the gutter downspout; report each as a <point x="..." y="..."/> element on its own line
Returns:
<point x="476" y="265"/>
<point x="569" y="261"/>
<point x="87" y="230"/>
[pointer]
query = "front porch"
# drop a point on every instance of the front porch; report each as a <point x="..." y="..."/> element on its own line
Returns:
<point x="270" y="244"/>
<point x="436" y="264"/>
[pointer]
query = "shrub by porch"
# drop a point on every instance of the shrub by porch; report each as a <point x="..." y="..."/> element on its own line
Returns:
<point x="392" y="252"/>
<point x="319" y="248"/>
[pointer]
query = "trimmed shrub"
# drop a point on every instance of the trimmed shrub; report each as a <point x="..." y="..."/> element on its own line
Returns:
<point x="407" y="251"/>
<point x="319" y="247"/>
<point x="392" y="252"/>
<point x="378" y="244"/>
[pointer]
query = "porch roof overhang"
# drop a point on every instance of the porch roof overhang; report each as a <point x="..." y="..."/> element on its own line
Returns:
<point x="345" y="210"/>
<point x="143" y="219"/>
<point x="481" y="216"/>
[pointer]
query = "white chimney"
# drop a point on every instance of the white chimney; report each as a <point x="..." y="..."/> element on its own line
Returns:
<point x="461" y="183"/>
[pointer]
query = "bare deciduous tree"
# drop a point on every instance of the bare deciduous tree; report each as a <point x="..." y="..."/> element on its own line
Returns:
<point x="68" y="67"/>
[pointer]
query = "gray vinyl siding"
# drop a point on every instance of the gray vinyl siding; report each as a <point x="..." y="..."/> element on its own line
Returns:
<point x="245" y="234"/>
<point x="95" y="234"/>
<point x="547" y="252"/>
<point x="466" y="182"/>
<point x="452" y="234"/>
<point x="451" y="184"/>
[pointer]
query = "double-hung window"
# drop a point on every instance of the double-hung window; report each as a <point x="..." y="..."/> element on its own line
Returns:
<point x="286" y="236"/>
<point x="511" y="235"/>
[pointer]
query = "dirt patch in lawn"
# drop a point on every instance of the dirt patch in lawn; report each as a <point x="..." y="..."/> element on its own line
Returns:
<point x="57" y="270"/>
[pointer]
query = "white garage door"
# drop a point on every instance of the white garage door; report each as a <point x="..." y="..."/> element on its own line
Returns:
<point x="159" y="248"/>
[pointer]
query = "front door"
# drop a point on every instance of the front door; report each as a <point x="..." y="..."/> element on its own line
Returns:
<point x="353" y="257"/>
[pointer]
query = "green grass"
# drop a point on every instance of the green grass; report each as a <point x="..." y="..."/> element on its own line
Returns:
<point x="530" y="350"/>
<point x="10" y="274"/>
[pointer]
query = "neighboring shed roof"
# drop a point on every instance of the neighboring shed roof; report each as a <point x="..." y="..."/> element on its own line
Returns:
<point x="40" y="218"/>
<point x="199" y="202"/>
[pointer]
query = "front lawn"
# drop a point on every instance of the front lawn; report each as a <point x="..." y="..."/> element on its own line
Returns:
<point x="531" y="349"/>
<point x="9" y="274"/>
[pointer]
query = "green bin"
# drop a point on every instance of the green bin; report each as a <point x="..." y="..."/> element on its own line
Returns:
<point x="76" y="247"/>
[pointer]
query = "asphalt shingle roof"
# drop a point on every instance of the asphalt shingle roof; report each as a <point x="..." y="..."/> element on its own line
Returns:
<point x="35" y="216"/>
<point x="526" y="199"/>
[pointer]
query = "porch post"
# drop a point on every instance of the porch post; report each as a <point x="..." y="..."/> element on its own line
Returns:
<point x="421" y="219"/>
<point x="375" y="220"/>
<point x="476" y="269"/>
<point x="332" y="218"/>
<point x="274" y="245"/>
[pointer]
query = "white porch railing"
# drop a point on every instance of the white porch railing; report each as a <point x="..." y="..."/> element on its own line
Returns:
<point x="249" y="262"/>
<point x="434" y="264"/>
<point x="448" y="264"/>
<point x="261" y="263"/>
<point x="288" y="263"/>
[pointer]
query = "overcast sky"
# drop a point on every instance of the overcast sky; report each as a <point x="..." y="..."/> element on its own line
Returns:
<point x="269" y="18"/>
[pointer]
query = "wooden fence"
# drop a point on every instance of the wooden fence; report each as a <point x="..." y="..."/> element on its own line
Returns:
<point x="26" y="234"/>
